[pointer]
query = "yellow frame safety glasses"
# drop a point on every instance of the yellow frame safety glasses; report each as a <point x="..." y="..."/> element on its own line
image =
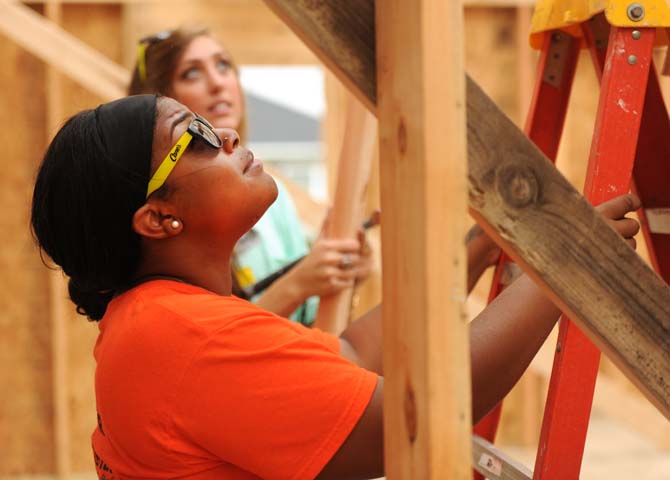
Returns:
<point x="142" y="46"/>
<point x="199" y="129"/>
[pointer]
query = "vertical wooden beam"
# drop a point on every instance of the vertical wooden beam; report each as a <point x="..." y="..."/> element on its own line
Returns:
<point x="337" y="99"/>
<point x="368" y="293"/>
<point x="356" y="155"/>
<point x="421" y="112"/>
<point x="57" y="289"/>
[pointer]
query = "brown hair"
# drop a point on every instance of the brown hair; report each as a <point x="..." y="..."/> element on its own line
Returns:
<point x="161" y="60"/>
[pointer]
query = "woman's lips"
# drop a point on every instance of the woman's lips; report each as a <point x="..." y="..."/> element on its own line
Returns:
<point x="252" y="164"/>
<point x="221" y="108"/>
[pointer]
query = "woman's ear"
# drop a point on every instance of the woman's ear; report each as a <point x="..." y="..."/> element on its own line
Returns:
<point x="150" y="222"/>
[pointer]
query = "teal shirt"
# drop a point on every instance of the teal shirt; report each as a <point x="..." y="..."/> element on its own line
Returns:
<point x="276" y="240"/>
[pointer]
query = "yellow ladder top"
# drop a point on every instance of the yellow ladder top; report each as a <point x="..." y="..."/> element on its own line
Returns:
<point x="568" y="14"/>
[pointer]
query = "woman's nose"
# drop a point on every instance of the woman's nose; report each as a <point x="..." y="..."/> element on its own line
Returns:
<point x="230" y="138"/>
<point x="215" y="80"/>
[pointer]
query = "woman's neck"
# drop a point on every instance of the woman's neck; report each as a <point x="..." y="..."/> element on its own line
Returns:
<point x="189" y="265"/>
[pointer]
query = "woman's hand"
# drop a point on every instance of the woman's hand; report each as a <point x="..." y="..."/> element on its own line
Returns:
<point x="331" y="265"/>
<point x="614" y="211"/>
<point x="482" y="253"/>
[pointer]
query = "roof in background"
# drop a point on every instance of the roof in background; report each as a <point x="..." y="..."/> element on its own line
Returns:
<point x="270" y="122"/>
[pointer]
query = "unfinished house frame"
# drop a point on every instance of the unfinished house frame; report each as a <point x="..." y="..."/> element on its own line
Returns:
<point x="444" y="147"/>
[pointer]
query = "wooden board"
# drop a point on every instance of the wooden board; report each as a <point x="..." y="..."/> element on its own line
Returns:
<point x="368" y="293"/>
<point x="620" y="303"/>
<point x="63" y="51"/>
<point x="422" y="150"/>
<point x="356" y="157"/>
<point x="26" y="434"/>
<point x="557" y="237"/>
<point x="58" y="287"/>
<point x="342" y="36"/>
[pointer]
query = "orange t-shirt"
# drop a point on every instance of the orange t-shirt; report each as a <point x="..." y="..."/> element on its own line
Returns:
<point x="194" y="385"/>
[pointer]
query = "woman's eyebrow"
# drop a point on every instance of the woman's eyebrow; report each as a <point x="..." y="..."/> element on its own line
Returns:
<point x="191" y="61"/>
<point x="178" y="120"/>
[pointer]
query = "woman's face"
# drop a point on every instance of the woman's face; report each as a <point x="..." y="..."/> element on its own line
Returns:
<point x="220" y="192"/>
<point x="205" y="82"/>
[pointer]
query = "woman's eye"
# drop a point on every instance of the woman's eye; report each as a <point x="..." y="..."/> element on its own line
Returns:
<point x="223" y="65"/>
<point x="190" y="73"/>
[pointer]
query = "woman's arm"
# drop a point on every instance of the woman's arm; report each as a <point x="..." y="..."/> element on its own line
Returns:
<point x="321" y="272"/>
<point x="503" y="340"/>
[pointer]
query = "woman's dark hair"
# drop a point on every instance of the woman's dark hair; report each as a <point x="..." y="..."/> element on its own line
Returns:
<point x="85" y="196"/>
<point x="161" y="59"/>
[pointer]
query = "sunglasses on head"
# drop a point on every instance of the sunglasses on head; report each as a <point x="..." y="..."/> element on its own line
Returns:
<point x="142" y="46"/>
<point x="199" y="129"/>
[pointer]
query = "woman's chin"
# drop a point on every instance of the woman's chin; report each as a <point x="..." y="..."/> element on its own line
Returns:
<point x="272" y="187"/>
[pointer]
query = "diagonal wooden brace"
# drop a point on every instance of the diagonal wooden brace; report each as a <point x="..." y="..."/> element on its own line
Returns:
<point x="63" y="51"/>
<point x="528" y="206"/>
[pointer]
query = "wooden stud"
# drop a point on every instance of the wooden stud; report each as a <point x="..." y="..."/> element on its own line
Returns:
<point x="63" y="51"/>
<point x="26" y="409"/>
<point x="422" y="146"/>
<point x="357" y="149"/>
<point x="368" y="293"/>
<point x="333" y="125"/>
<point x="57" y="288"/>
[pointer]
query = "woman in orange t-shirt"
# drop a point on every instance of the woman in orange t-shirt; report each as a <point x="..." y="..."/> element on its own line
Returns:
<point x="141" y="203"/>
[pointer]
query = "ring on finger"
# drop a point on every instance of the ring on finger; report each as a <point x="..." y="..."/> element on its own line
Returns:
<point x="346" y="261"/>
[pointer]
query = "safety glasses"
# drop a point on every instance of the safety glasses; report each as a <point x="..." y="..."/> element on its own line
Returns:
<point x="200" y="129"/>
<point x="142" y="46"/>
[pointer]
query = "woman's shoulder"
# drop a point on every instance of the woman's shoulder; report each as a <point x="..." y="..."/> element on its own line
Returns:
<point x="160" y="302"/>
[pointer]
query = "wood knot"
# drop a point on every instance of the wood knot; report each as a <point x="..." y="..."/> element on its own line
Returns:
<point x="402" y="136"/>
<point x="517" y="185"/>
<point x="410" y="412"/>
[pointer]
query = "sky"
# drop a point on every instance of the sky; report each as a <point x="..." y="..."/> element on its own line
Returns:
<point x="298" y="87"/>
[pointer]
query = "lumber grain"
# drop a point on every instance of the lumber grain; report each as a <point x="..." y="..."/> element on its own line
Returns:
<point x="565" y="245"/>
<point x="529" y="207"/>
<point x="342" y="34"/>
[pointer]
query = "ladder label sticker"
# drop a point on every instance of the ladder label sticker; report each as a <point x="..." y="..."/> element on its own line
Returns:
<point x="490" y="464"/>
<point x="658" y="219"/>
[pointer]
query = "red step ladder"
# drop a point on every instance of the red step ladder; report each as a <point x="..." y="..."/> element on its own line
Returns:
<point x="630" y="150"/>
